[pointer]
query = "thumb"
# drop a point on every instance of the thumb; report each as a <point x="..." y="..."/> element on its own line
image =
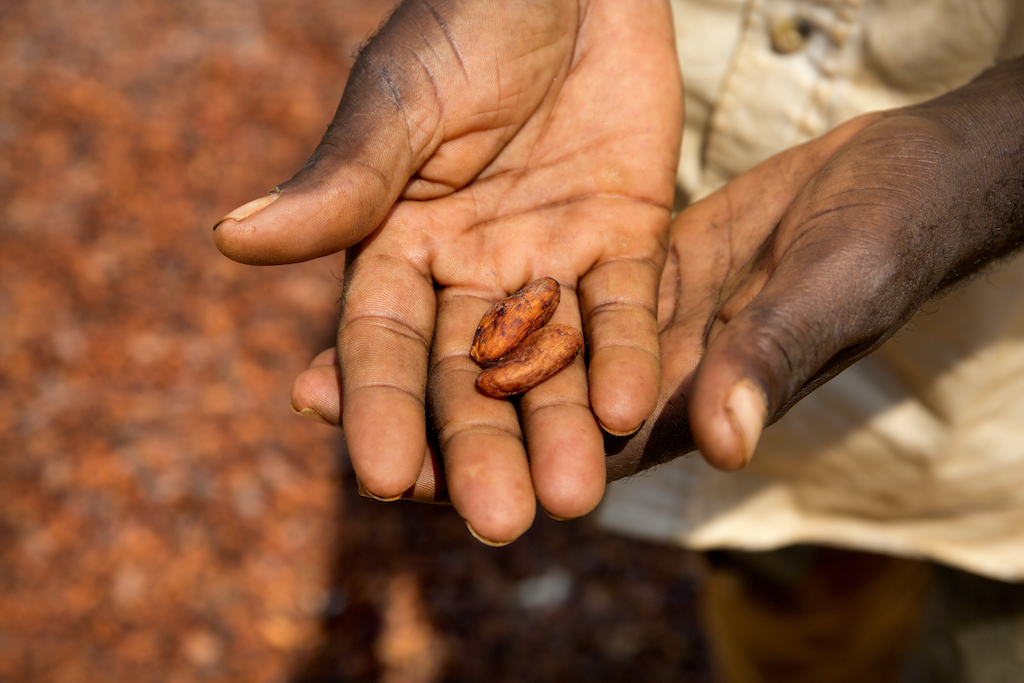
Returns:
<point x="826" y="304"/>
<point x="433" y="99"/>
<point x="339" y="197"/>
<point x="770" y="343"/>
<point x="381" y="133"/>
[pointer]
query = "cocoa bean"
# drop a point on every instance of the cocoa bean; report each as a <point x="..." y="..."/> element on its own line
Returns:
<point x="508" y="322"/>
<point x="540" y="356"/>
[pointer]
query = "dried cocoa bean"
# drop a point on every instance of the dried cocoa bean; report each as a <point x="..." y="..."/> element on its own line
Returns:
<point x="508" y="322"/>
<point x="540" y="356"/>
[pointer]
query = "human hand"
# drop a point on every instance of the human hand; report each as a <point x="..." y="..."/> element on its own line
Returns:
<point x="479" y="145"/>
<point x="810" y="261"/>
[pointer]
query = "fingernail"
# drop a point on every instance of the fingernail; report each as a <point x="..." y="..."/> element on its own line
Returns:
<point x="493" y="544"/>
<point x="361" y="490"/>
<point x="616" y="433"/>
<point x="747" y="407"/>
<point x="559" y="519"/>
<point x="246" y="210"/>
<point x="313" y="415"/>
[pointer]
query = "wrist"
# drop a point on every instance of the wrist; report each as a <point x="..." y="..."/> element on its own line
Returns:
<point x="985" y="165"/>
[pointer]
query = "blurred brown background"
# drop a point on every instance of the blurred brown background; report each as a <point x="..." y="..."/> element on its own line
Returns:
<point x="163" y="514"/>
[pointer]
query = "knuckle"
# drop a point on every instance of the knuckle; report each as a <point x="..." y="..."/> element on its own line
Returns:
<point x="368" y="327"/>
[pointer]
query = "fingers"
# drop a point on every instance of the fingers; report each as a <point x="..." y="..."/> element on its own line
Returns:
<point x="430" y="486"/>
<point x="494" y="485"/>
<point x="316" y="395"/>
<point x="316" y="392"/>
<point x="563" y="437"/>
<point x="487" y="472"/>
<point x="618" y="299"/>
<point x="490" y="480"/>
<point x="383" y="342"/>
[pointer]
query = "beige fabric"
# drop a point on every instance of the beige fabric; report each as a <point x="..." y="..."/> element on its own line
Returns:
<point x="919" y="450"/>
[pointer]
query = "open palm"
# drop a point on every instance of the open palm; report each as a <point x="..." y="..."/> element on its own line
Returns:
<point x="478" y="146"/>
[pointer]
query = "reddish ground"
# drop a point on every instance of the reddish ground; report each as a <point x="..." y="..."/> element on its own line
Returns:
<point x="163" y="515"/>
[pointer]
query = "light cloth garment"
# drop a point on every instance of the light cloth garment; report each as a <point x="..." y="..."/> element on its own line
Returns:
<point x="918" y="450"/>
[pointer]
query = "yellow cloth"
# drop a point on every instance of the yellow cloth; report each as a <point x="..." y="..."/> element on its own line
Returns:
<point x="919" y="450"/>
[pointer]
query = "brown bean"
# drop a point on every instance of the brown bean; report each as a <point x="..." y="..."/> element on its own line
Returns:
<point x="508" y="322"/>
<point x="540" y="356"/>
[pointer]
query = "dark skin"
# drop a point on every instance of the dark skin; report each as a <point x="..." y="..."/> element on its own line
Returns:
<point x="771" y="286"/>
<point x="478" y="146"/>
<point x="810" y="261"/>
